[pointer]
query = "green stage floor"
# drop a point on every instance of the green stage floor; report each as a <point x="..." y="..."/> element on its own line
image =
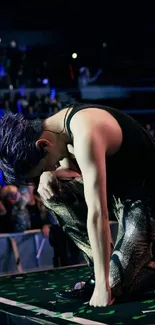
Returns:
<point x="32" y="295"/>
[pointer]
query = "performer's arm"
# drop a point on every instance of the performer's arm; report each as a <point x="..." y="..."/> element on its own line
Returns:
<point x="48" y="185"/>
<point x="90" y="152"/>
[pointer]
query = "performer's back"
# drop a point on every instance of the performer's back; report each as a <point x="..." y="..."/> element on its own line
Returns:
<point x="131" y="169"/>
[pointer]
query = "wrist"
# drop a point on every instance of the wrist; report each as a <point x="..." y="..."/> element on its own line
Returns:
<point x="100" y="276"/>
<point x="102" y="285"/>
<point x="102" y="282"/>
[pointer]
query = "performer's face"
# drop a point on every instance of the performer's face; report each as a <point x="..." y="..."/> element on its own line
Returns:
<point x="53" y="154"/>
<point x="46" y="164"/>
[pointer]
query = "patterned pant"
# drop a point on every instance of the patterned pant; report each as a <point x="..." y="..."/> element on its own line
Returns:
<point x="129" y="271"/>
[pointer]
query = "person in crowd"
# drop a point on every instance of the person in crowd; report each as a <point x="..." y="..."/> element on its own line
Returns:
<point x="38" y="213"/>
<point x="17" y="217"/>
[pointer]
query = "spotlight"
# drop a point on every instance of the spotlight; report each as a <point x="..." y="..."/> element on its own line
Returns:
<point x="45" y="81"/>
<point x="74" y="55"/>
<point x="13" y="44"/>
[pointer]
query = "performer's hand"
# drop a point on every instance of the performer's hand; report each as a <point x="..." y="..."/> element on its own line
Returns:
<point x="101" y="296"/>
<point x="48" y="186"/>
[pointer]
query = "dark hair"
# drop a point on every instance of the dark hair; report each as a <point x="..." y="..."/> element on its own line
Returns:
<point x="18" y="151"/>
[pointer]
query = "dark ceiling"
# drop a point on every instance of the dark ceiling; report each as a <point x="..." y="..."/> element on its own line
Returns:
<point x="73" y="15"/>
<point x="84" y="24"/>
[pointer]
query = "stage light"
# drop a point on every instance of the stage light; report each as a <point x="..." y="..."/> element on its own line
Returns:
<point x="13" y="44"/>
<point x="45" y="81"/>
<point x="53" y="93"/>
<point x="74" y="55"/>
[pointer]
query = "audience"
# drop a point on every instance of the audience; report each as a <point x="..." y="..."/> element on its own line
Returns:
<point x="17" y="217"/>
<point x="38" y="212"/>
<point x="31" y="106"/>
<point x="21" y="209"/>
<point x="34" y="67"/>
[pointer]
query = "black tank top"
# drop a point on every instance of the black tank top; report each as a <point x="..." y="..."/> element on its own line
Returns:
<point x="130" y="172"/>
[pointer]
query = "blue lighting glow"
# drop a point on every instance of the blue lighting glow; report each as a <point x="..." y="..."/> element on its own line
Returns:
<point x="21" y="89"/>
<point x="45" y="81"/>
<point x="19" y="107"/>
<point x="53" y="93"/>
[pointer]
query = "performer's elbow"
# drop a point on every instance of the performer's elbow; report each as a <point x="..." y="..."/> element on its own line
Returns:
<point x="93" y="216"/>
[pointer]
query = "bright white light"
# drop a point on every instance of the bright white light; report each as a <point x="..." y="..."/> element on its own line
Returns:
<point x="11" y="87"/>
<point x="13" y="43"/>
<point x="74" y="55"/>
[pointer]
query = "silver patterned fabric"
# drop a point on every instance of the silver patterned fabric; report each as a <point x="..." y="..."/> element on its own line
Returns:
<point x="129" y="271"/>
<point x="136" y="232"/>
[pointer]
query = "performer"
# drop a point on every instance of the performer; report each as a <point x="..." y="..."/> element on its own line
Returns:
<point x="115" y="157"/>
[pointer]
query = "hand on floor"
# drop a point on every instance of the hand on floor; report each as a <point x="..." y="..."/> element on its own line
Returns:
<point x="101" y="297"/>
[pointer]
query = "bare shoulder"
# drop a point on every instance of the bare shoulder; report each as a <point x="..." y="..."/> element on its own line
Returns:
<point x="98" y="125"/>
